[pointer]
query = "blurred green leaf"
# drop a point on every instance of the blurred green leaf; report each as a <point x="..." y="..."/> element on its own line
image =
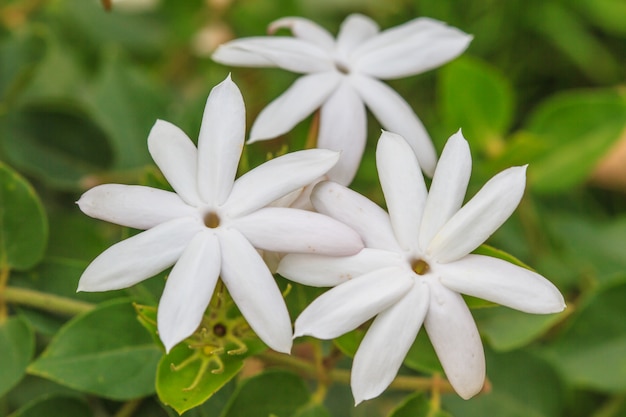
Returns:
<point x="176" y="388"/>
<point x="422" y="357"/>
<point x="348" y="343"/>
<point x="23" y="222"/>
<point x="609" y="15"/>
<point x="590" y="351"/>
<point x="579" y="127"/>
<point x="270" y="393"/>
<point x="104" y="352"/>
<point x="20" y="54"/>
<point x="523" y="385"/>
<point x="507" y="329"/>
<point x="417" y="405"/>
<point x="17" y="344"/>
<point x="55" y="406"/>
<point x="312" y="410"/>
<point x="478" y="99"/>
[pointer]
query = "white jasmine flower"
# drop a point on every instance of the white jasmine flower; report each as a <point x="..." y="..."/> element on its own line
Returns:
<point x="416" y="263"/>
<point x="341" y="78"/>
<point x="212" y="225"/>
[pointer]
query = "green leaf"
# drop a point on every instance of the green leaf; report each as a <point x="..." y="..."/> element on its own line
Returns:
<point x="417" y="405"/>
<point x="104" y="352"/>
<point x="507" y="329"/>
<point x="176" y="383"/>
<point x="17" y="344"/>
<point x="590" y="352"/>
<point x="23" y="223"/>
<point x="522" y="385"/>
<point x="422" y="357"/>
<point x="55" y="406"/>
<point x="348" y="343"/>
<point x="312" y="410"/>
<point x="19" y="55"/>
<point x="270" y="393"/>
<point x="478" y="99"/>
<point x="578" y="129"/>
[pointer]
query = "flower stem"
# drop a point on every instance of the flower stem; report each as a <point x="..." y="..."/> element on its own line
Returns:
<point x="4" y="279"/>
<point x="47" y="302"/>
<point x="128" y="408"/>
<point x="402" y="382"/>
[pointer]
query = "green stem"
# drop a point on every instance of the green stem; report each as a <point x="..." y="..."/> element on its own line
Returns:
<point x="611" y="408"/>
<point x="128" y="408"/>
<point x="4" y="279"/>
<point x="402" y="382"/>
<point x="47" y="302"/>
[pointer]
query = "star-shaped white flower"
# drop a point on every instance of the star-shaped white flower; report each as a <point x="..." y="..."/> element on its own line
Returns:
<point x="416" y="263"/>
<point x="342" y="77"/>
<point x="212" y="225"/>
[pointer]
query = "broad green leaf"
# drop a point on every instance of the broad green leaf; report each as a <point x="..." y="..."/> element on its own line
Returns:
<point x="507" y="329"/>
<point x="349" y="343"/>
<point x="609" y="15"/>
<point x="578" y="128"/>
<point x="522" y="385"/>
<point x="125" y="104"/>
<point x="23" y="222"/>
<point x="590" y="352"/>
<point x="312" y="410"/>
<point x="276" y="393"/>
<point x="417" y="405"/>
<point x="55" y="406"/>
<point x="17" y="344"/>
<point x="104" y="352"/>
<point x="422" y="357"/>
<point x="176" y="381"/>
<point x="19" y="55"/>
<point x="478" y="99"/>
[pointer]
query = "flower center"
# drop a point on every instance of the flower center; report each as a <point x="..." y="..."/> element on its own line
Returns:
<point x="343" y="68"/>
<point x="211" y="220"/>
<point x="420" y="266"/>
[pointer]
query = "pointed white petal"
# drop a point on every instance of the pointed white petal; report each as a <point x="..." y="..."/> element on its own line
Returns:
<point x="480" y="217"/>
<point x="329" y="271"/>
<point x="254" y="291"/>
<point x="133" y="205"/>
<point x="298" y="231"/>
<point x="139" y="257"/>
<point x="387" y="342"/>
<point x="304" y="29"/>
<point x="304" y="96"/>
<point x="189" y="289"/>
<point x="354" y="30"/>
<point x="414" y="47"/>
<point x="343" y="127"/>
<point x="177" y="158"/>
<point x="277" y="178"/>
<point x="453" y="334"/>
<point x="403" y="186"/>
<point x="352" y="303"/>
<point x="396" y="116"/>
<point x="448" y="188"/>
<point x="220" y="142"/>
<point x="291" y="54"/>
<point x="361" y="214"/>
<point x="501" y="282"/>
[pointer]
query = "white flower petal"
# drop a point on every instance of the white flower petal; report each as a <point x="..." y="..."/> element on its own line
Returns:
<point x="189" y="289"/>
<point x="403" y="186"/>
<point x="139" y="257"/>
<point x="304" y="29"/>
<point x="354" y="30"/>
<point x="304" y="96"/>
<point x="291" y="54"/>
<point x="349" y="207"/>
<point x="501" y="282"/>
<point x="387" y="342"/>
<point x="343" y="127"/>
<point x="298" y="231"/>
<point x="220" y="142"/>
<point x="254" y="290"/>
<point x="177" y="158"/>
<point x="448" y="188"/>
<point x="414" y="47"/>
<point x="277" y="178"/>
<point x="133" y="205"/>
<point x="352" y="303"/>
<point x="479" y="217"/>
<point x="396" y="116"/>
<point x="329" y="271"/>
<point x="453" y="334"/>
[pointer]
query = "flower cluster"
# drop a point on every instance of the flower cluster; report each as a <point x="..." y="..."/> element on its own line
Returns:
<point x="403" y="268"/>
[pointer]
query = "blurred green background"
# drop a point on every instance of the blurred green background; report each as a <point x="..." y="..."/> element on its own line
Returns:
<point x="543" y="83"/>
